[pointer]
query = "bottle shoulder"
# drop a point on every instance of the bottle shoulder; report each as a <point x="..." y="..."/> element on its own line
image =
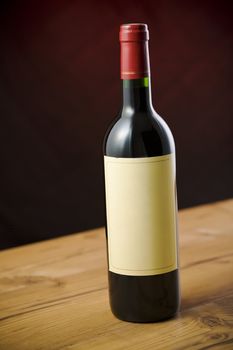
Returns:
<point x="139" y="134"/>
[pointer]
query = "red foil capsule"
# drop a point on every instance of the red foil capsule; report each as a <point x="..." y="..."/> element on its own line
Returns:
<point x="134" y="51"/>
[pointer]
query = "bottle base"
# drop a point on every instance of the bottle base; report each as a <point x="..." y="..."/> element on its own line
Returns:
<point x="156" y="319"/>
<point x="144" y="299"/>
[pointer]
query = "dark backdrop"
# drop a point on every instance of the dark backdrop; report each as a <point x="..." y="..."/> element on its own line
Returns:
<point x="60" y="88"/>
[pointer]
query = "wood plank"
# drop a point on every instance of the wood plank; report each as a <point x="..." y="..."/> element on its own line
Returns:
<point x="206" y="252"/>
<point x="53" y="294"/>
<point x="85" y="322"/>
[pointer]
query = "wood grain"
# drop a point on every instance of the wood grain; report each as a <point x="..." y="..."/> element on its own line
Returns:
<point x="53" y="295"/>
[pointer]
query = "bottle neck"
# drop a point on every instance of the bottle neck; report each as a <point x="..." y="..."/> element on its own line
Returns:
<point x="135" y="68"/>
<point x="137" y="94"/>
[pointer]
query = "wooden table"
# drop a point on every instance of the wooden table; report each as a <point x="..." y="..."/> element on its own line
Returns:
<point x="53" y="295"/>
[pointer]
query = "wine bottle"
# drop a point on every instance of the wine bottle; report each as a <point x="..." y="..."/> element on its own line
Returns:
<point x="140" y="193"/>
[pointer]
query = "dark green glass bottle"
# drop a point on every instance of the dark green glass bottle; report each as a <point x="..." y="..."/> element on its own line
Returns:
<point x="140" y="187"/>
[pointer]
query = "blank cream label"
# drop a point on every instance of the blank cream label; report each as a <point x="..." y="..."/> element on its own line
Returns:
<point x="141" y="215"/>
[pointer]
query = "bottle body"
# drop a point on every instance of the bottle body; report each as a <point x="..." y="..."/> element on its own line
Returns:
<point x="141" y="210"/>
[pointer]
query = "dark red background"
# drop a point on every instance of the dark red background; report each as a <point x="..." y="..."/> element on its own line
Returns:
<point x="60" y="88"/>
